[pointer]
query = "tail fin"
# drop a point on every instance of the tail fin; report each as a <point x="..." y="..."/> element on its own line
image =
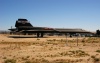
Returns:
<point x="23" y="23"/>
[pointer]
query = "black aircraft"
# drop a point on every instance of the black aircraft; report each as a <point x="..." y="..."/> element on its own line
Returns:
<point x="24" y="26"/>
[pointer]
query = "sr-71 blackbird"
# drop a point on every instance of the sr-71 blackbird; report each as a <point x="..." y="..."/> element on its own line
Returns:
<point x="24" y="26"/>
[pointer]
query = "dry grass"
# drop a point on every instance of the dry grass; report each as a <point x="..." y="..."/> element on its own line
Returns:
<point x="49" y="50"/>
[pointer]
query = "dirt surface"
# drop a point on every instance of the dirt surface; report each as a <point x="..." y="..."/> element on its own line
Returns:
<point x="49" y="50"/>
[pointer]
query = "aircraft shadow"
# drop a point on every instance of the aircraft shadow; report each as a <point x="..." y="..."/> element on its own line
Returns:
<point x="25" y="37"/>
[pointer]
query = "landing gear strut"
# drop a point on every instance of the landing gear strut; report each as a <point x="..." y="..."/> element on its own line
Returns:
<point x="40" y="34"/>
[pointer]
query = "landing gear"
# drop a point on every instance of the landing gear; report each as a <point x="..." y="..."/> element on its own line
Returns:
<point x="40" y="35"/>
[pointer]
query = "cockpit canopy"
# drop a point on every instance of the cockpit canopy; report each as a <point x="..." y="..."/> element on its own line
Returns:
<point x="23" y="23"/>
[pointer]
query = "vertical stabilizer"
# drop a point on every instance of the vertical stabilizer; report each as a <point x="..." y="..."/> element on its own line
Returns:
<point x="23" y="23"/>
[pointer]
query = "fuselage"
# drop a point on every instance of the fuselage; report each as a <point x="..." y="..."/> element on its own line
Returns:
<point x="24" y="26"/>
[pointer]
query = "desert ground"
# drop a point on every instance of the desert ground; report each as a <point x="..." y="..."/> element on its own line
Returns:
<point x="49" y="49"/>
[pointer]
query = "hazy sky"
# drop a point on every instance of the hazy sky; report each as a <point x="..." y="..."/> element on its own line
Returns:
<point x="83" y="14"/>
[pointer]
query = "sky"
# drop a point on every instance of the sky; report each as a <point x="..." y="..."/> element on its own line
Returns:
<point x="84" y="14"/>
